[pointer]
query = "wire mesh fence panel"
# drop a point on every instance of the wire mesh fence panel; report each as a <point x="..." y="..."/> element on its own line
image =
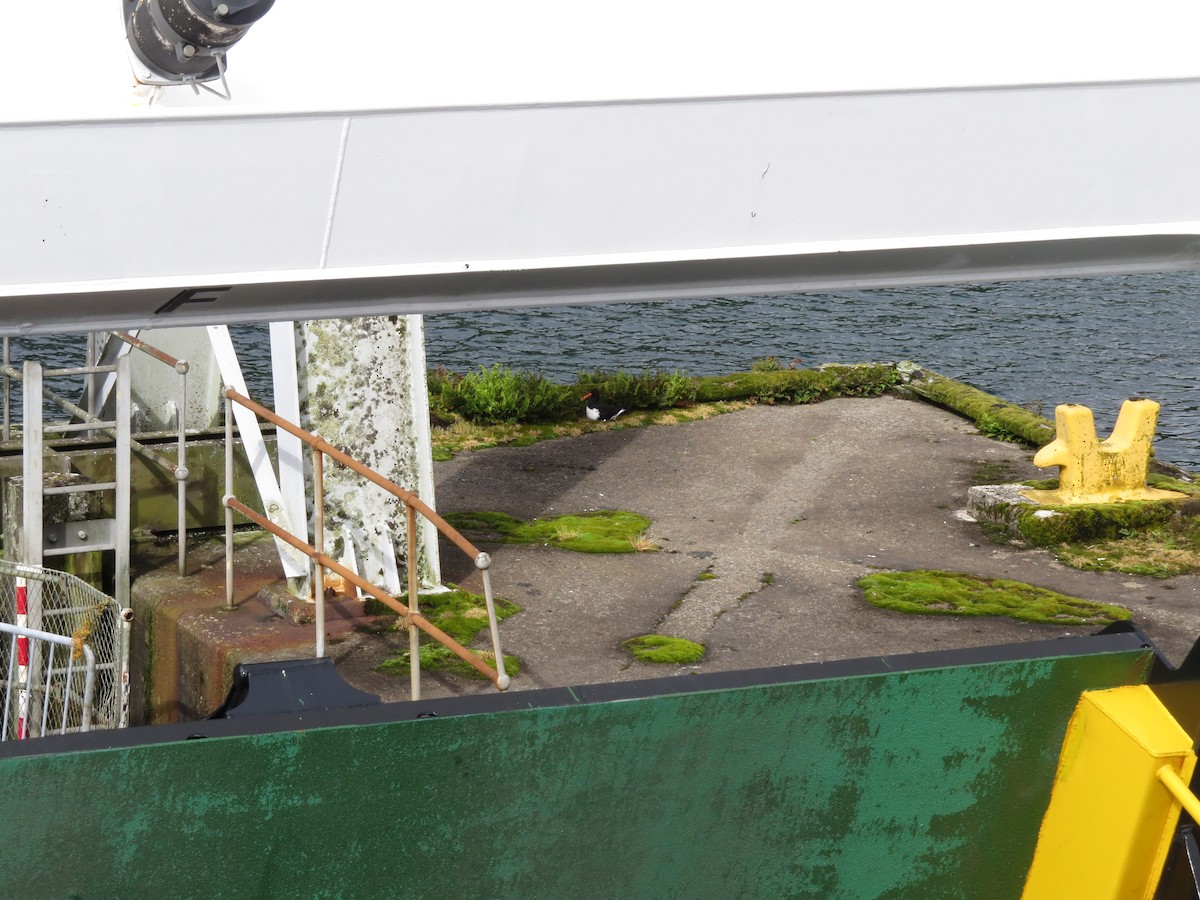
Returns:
<point x="44" y="600"/>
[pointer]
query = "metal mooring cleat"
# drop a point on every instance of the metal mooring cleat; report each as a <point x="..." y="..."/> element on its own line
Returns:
<point x="1094" y="471"/>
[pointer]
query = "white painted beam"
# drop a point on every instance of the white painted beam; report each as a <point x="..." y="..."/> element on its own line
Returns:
<point x="811" y="150"/>
<point x="289" y="448"/>
<point x="420" y="210"/>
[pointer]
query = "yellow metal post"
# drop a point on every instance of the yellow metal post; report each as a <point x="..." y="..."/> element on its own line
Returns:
<point x="1094" y="471"/>
<point x="1111" y="816"/>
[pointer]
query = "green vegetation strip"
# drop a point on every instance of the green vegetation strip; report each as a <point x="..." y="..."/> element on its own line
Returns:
<point x="1155" y="538"/>
<point x="994" y="417"/>
<point x="951" y="594"/>
<point x="799" y="385"/>
<point x="658" y="648"/>
<point x="603" y="531"/>
<point x="460" y="614"/>
<point x="495" y="406"/>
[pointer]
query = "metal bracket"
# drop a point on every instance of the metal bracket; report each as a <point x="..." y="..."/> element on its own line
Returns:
<point x="79" y="537"/>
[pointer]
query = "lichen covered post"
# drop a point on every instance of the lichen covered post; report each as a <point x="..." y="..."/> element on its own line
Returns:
<point x="363" y="389"/>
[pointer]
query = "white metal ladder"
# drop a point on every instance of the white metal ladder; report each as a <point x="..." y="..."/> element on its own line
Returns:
<point x="108" y="534"/>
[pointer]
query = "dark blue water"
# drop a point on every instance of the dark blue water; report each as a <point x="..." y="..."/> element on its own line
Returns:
<point x="1095" y="341"/>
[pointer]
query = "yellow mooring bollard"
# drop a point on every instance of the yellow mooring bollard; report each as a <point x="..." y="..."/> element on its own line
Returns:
<point x="1093" y="471"/>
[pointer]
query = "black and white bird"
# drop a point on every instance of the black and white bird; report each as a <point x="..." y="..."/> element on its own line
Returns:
<point x="599" y="411"/>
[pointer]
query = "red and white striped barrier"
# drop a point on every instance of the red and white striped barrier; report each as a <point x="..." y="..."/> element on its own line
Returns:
<point x="22" y="661"/>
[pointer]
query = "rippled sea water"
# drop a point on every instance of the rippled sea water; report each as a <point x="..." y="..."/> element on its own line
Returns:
<point x="1095" y="341"/>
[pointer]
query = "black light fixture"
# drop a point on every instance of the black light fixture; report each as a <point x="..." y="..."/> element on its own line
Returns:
<point x="185" y="41"/>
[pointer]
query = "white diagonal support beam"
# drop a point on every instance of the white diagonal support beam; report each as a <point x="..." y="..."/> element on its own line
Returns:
<point x="295" y="563"/>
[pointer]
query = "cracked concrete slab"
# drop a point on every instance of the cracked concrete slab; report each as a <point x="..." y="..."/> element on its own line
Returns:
<point x="817" y="496"/>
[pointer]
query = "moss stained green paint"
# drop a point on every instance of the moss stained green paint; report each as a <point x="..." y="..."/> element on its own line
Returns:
<point x="919" y="784"/>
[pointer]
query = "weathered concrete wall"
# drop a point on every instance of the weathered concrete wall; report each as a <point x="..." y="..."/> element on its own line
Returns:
<point x="184" y="643"/>
<point x="926" y="783"/>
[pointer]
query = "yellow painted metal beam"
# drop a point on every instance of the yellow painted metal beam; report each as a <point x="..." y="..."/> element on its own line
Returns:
<point x="1114" y="807"/>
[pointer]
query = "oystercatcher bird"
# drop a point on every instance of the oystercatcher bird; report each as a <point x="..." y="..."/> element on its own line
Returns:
<point x="599" y="411"/>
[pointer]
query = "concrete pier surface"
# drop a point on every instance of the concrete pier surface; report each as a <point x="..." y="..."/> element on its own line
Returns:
<point x="788" y="506"/>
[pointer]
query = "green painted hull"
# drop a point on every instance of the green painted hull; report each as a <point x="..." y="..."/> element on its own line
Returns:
<point x="912" y="777"/>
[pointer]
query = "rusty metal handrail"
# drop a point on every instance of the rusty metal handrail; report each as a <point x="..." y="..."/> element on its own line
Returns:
<point x="318" y="443"/>
<point x="412" y="504"/>
<point x="467" y="656"/>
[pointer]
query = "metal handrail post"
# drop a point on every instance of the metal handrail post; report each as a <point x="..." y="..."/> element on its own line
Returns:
<point x="319" y="541"/>
<point x="122" y="474"/>
<point x="122" y="514"/>
<point x="483" y="562"/>
<point x="414" y="636"/>
<point x="89" y="688"/>
<point x="229" y="604"/>
<point x="31" y="513"/>
<point x="90" y="358"/>
<point x="353" y="578"/>
<point x="181" y="469"/>
<point x="7" y="388"/>
<point x="31" y="447"/>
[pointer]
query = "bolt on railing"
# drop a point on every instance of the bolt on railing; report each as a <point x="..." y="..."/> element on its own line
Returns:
<point x="412" y="505"/>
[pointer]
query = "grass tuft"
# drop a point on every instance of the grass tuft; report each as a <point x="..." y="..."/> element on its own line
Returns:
<point x="460" y="614"/>
<point x="1166" y="551"/>
<point x="500" y="395"/>
<point x="652" y="389"/>
<point x="799" y="385"/>
<point x="436" y="658"/>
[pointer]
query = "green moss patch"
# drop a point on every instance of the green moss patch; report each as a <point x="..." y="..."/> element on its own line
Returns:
<point x="1173" y="549"/>
<point x="929" y="592"/>
<point x="800" y="385"/>
<point x="994" y="417"/>
<point x="1158" y="539"/>
<point x="1092" y="522"/>
<point x="658" y="648"/>
<point x="603" y="531"/>
<point x="460" y="614"/>
<point x="436" y="658"/>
